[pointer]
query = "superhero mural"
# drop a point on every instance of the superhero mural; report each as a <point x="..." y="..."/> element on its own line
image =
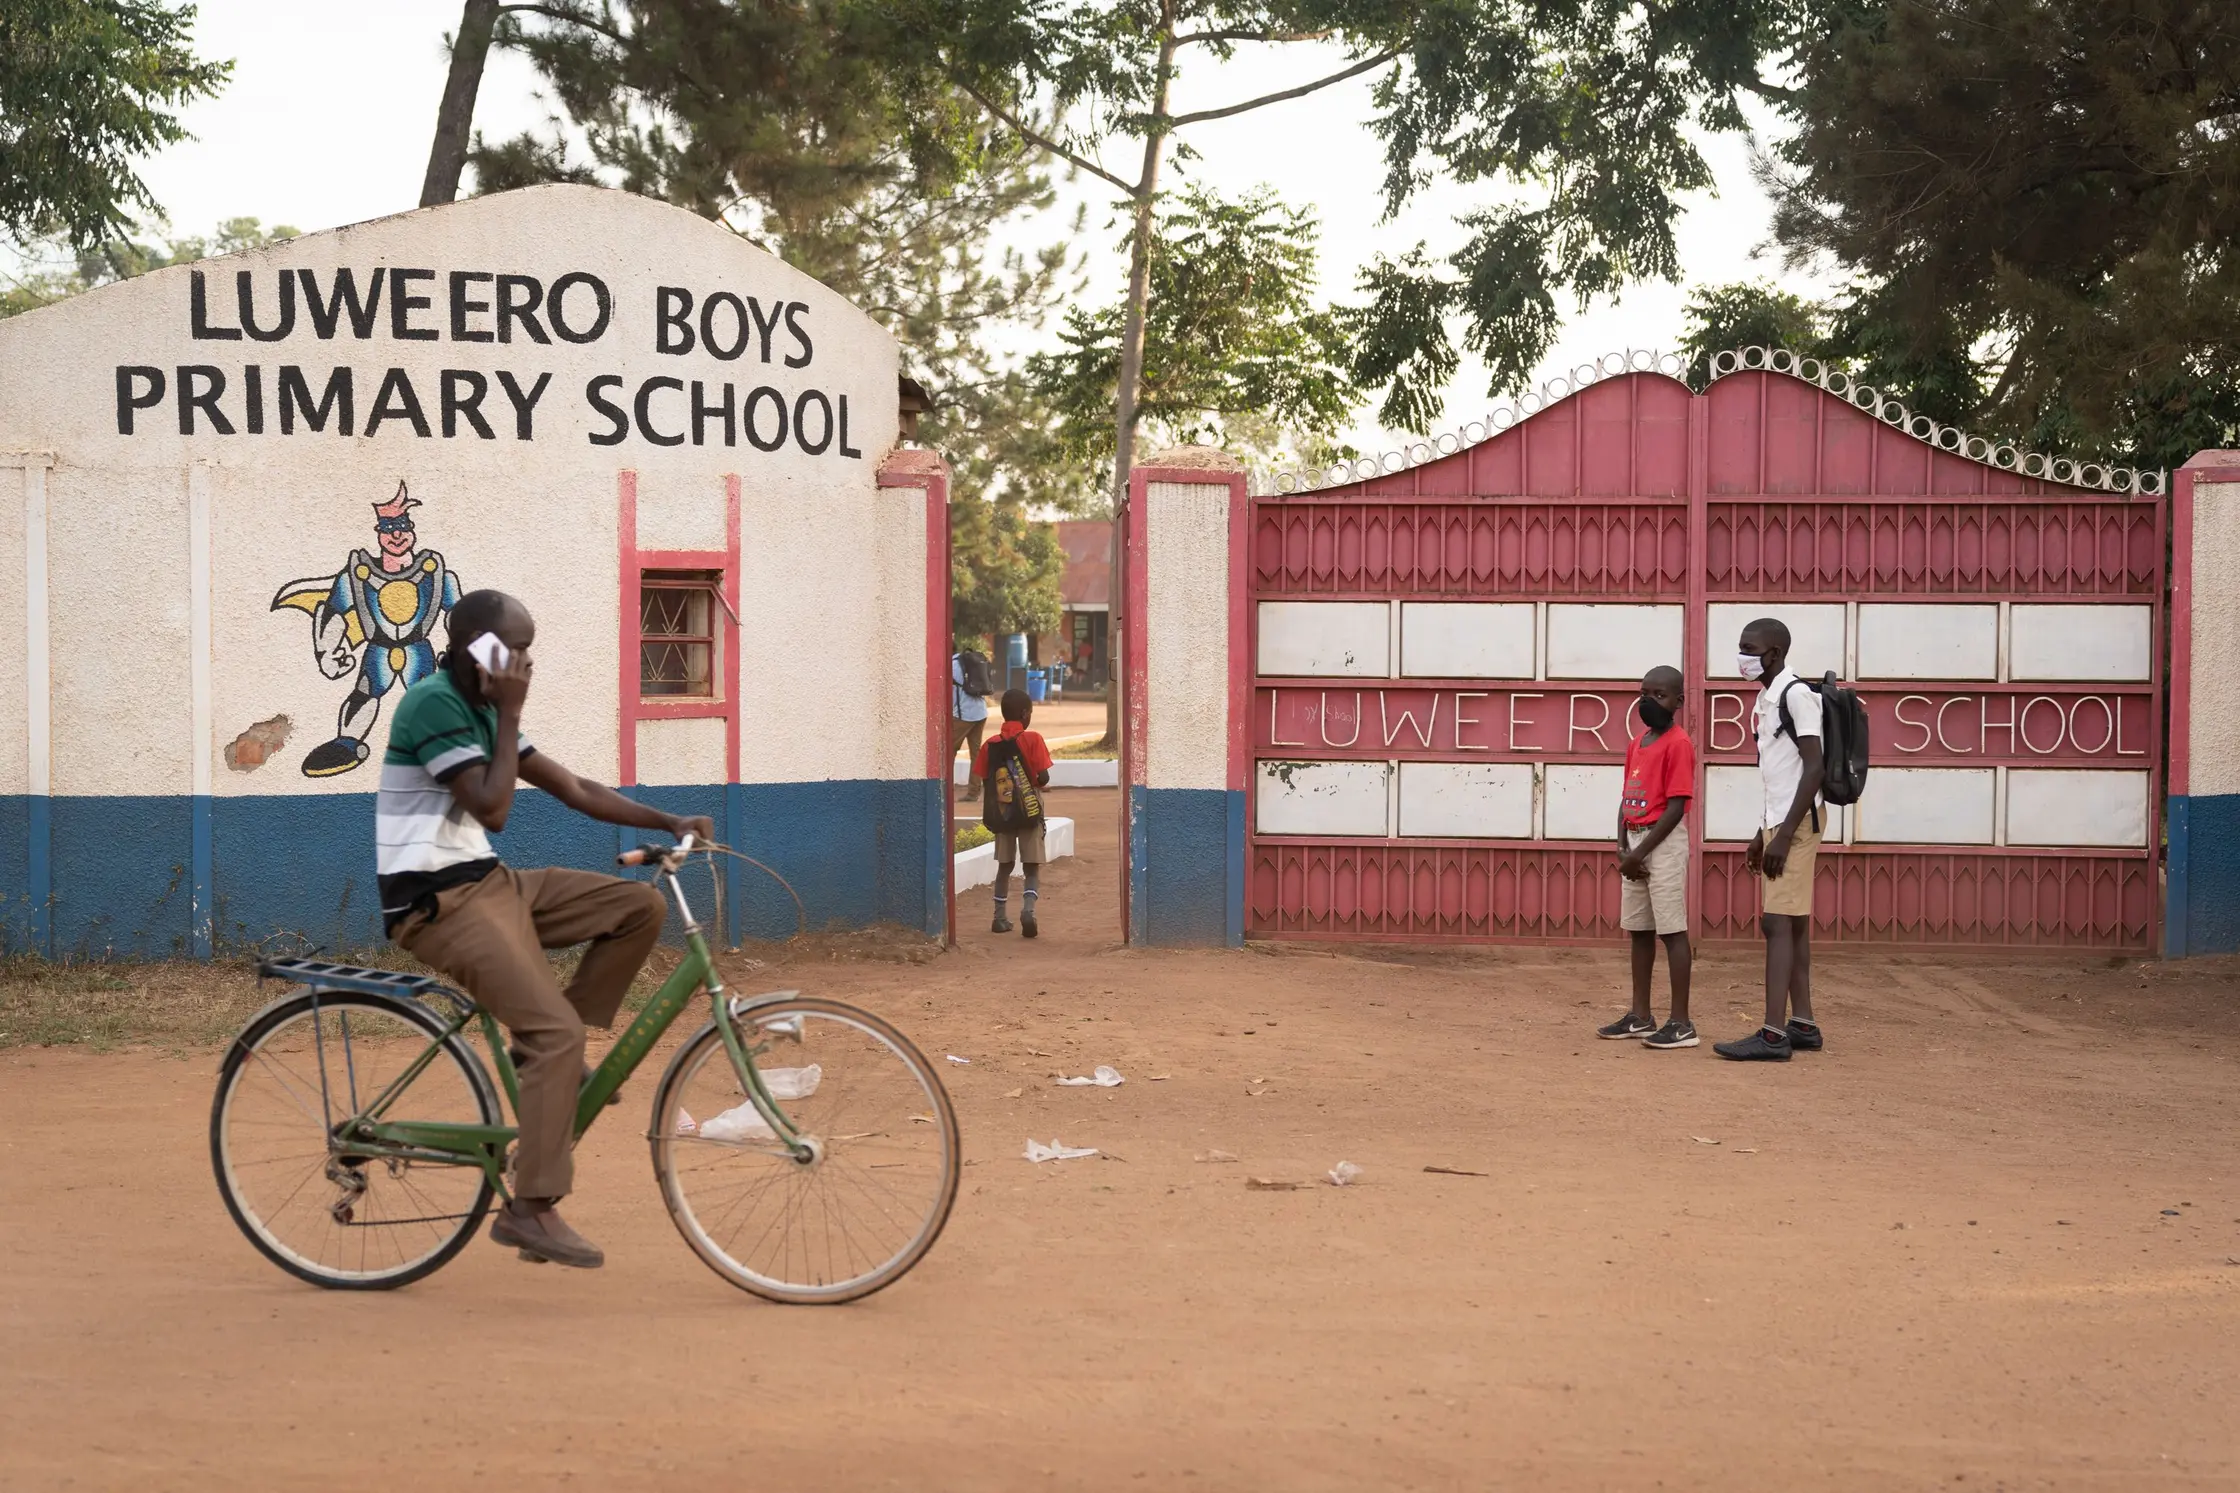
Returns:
<point x="377" y="615"/>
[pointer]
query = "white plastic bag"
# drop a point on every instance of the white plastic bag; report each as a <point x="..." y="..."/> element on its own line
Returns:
<point x="1057" y="1150"/>
<point x="1104" y="1078"/>
<point x="1343" y="1174"/>
<point x="745" y="1122"/>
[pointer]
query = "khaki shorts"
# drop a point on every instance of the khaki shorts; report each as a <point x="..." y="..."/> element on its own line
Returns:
<point x="1024" y="846"/>
<point x="1660" y="904"/>
<point x="1791" y="896"/>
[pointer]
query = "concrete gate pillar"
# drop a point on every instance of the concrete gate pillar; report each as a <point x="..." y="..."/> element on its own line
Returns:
<point x="1182" y="733"/>
<point x="2204" y="736"/>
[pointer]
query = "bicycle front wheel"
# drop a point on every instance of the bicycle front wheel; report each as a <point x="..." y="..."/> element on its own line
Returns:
<point x="304" y="1066"/>
<point x="867" y="1202"/>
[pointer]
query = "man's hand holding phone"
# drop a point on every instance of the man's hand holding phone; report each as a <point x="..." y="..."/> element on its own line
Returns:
<point x="504" y="673"/>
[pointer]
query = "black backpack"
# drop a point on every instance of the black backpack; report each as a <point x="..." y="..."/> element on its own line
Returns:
<point x="1843" y="737"/>
<point x="974" y="667"/>
<point x="1010" y="804"/>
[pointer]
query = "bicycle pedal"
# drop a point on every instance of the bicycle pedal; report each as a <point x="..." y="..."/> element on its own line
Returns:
<point x="532" y="1257"/>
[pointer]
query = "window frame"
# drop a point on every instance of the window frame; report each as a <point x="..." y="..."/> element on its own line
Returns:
<point x="705" y="581"/>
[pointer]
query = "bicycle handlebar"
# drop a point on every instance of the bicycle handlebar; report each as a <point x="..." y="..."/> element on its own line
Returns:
<point x="646" y="855"/>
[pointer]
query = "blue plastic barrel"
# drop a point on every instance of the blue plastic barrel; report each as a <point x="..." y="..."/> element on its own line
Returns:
<point x="1038" y="684"/>
<point x="1015" y="650"/>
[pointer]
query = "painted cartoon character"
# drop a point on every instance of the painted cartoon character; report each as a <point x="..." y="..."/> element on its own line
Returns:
<point x="385" y="602"/>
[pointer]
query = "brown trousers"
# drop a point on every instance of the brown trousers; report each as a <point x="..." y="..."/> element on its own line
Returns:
<point x="490" y="936"/>
<point x="967" y="733"/>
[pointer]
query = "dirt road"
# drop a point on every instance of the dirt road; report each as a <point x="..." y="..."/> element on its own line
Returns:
<point x="1988" y="1239"/>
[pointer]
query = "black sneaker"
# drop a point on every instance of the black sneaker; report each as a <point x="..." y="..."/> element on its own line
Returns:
<point x="1002" y="924"/>
<point x="1628" y="1027"/>
<point x="1673" y="1034"/>
<point x="1761" y="1046"/>
<point x="1026" y="924"/>
<point x="1805" y="1036"/>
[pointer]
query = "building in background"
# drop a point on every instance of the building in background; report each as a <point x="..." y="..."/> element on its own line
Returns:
<point x="1087" y="589"/>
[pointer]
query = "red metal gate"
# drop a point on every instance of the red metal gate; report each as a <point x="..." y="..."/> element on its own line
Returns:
<point x="1464" y="637"/>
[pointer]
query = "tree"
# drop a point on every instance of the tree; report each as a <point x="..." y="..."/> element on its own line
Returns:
<point x="1236" y="351"/>
<point x="2038" y="202"/>
<point x="1004" y="569"/>
<point x="121" y="259"/>
<point x="86" y="88"/>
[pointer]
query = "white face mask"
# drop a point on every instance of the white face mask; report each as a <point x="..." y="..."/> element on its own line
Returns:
<point x="1752" y="666"/>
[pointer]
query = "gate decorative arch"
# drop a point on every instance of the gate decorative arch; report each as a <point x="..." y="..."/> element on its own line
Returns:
<point x="1443" y="650"/>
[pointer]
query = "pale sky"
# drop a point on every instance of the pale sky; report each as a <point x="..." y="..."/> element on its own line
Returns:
<point x="328" y="118"/>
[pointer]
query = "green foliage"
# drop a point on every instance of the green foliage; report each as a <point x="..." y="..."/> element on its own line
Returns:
<point x="1237" y="353"/>
<point x="1004" y="569"/>
<point x="1724" y="317"/>
<point x="2038" y="202"/>
<point x="122" y="258"/>
<point x="86" y="88"/>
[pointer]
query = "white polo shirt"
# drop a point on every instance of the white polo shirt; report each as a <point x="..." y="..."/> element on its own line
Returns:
<point x="1780" y="764"/>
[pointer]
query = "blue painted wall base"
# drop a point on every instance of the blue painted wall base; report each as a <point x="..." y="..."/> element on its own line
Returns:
<point x="161" y="877"/>
<point x="1186" y="866"/>
<point x="2203" y="914"/>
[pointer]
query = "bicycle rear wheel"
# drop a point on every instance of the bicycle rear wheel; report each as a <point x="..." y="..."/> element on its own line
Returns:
<point x="304" y="1065"/>
<point x="869" y="1201"/>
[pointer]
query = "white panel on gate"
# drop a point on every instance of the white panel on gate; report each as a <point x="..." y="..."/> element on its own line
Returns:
<point x="2075" y="806"/>
<point x="1477" y="800"/>
<point x="2075" y="642"/>
<point x="1349" y="639"/>
<point x="1815" y="635"/>
<point x="1466" y="639"/>
<point x="1735" y="803"/>
<point x="1611" y="642"/>
<point x="1929" y="806"/>
<point x="1905" y="640"/>
<point x="1582" y="802"/>
<point x="1322" y="798"/>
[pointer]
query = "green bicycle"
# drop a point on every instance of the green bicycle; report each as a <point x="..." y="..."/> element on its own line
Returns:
<point x="805" y="1149"/>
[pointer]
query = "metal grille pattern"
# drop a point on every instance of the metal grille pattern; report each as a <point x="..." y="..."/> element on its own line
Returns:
<point x="2046" y="548"/>
<point x="1305" y="547"/>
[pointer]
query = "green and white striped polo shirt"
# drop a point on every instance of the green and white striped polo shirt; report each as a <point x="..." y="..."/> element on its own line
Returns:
<point x="424" y="839"/>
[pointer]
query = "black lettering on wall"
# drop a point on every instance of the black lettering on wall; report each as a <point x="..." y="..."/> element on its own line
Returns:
<point x="198" y="313"/>
<point x="252" y="392"/>
<point x="592" y="393"/>
<point x="295" y="398"/>
<point x="396" y="400"/>
<point x="461" y="307"/>
<point x="402" y="303"/>
<point x="740" y="330"/>
<point x="325" y="316"/>
<point x="702" y="411"/>
<point x="524" y="310"/>
<point x="754" y="402"/>
<point x="138" y="388"/>
<point x="524" y="405"/>
<point x="846" y="449"/>
<point x="794" y="313"/>
<point x="245" y="292"/>
<point x="672" y="313"/>
<point x="646" y="392"/>
<point x="463" y="393"/>
<point x="555" y="310"/>
<point x="801" y="408"/>
<point x="199" y="388"/>
<point x="763" y="329"/>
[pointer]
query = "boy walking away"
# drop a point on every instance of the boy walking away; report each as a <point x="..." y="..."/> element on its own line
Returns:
<point x="1653" y="860"/>
<point x="1016" y="768"/>
<point x="968" y="707"/>
<point x="1787" y="847"/>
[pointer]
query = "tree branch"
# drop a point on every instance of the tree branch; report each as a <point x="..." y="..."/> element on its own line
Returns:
<point x="1252" y="36"/>
<point x="570" y="17"/>
<point x="1365" y="65"/>
<point x="1036" y="137"/>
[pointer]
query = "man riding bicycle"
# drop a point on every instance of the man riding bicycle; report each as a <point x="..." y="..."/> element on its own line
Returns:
<point x="455" y="756"/>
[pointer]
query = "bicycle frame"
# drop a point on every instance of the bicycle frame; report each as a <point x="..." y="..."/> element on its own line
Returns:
<point x="366" y="1135"/>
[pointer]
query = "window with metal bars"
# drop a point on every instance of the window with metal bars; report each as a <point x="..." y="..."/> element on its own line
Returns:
<point x="678" y="656"/>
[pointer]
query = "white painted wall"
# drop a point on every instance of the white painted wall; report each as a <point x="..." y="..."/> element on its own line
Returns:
<point x="2080" y="642"/>
<point x="1186" y="641"/>
<point x="15" y="708"/>
<point x="1815" y="635"/>
<point x="2213" y="765"/>
<point x="1922" y="640"/>
<point x="680" y="753"/>
<point x="1929" y="806"/>
<point x="1331" y="639"/>
<point x="1322" y="798"/>
<point x="2076" y="806"/>
<point x="1455" y="800"/>
<point x="1466" y="639"/>
<point x="1735" y="800"/>
<point x="1582" y="801"/>
<point x="1611" y="642"/>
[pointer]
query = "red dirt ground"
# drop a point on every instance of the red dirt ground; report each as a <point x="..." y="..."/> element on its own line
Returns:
<point x="1936" y="1255"/>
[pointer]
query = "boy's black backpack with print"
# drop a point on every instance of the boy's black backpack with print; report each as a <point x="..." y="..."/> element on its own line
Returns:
<point x="1843" y="737"/>
<point x="977" y="678"/>
<point x="1010" y="803"/>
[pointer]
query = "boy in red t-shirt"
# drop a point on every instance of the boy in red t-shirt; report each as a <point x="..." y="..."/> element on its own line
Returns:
<point x="1653" y="860"/>
<point x="1012" y="808"/>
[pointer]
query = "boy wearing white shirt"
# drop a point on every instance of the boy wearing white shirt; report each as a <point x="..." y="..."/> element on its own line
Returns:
<point x="1787" y="846"/>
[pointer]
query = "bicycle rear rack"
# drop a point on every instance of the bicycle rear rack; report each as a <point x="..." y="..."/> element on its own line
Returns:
<point x="322" y="975"/>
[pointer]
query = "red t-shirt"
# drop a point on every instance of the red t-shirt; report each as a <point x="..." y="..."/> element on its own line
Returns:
<point x="1656" y="773"/>
<point x="1031" y="747"/>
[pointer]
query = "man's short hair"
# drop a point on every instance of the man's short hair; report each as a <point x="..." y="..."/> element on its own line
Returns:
<point x="1772" y="630"/>
<point x="1016" y="705"/>
<point x="1664" y="676"/>
<point x="472" y="615"/>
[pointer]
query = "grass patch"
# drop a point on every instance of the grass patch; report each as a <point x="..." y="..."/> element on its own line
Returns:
<point x="973" y="836"/>
<point x="1078" y="751"/>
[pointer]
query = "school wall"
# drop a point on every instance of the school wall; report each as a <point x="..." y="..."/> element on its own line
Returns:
<point x="170" y="538"/>
<point x="1184" y="751"/>
<point x="2203" y="825"/>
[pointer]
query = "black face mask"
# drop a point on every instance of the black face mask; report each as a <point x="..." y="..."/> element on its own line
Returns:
<point x="1654" y="715"/>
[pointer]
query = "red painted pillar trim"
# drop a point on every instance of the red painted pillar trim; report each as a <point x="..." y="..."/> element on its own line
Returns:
<point x="626" y="681"/>
<point x="908" y="467"/>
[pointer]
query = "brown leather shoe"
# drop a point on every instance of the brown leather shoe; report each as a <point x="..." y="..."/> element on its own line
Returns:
<point x="538" y="1231"/>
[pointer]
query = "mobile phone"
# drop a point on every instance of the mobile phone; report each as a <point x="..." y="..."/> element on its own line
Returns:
<point x="487" y="651"/>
